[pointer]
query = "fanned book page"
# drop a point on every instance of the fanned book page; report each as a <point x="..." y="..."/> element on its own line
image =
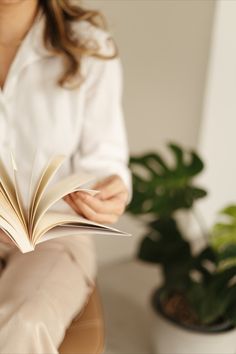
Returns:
<point x="34" y="223"/>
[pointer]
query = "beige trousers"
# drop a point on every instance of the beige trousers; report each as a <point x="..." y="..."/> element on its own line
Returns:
<point x="42" y="291"/>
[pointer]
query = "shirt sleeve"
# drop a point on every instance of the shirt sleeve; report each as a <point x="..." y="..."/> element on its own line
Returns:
<point x="103" y="148"/>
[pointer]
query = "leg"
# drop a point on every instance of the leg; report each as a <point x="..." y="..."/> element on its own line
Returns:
<point x="40" y="294"/>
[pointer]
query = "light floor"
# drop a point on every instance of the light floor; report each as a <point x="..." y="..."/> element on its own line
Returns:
<point x="125" y="289"/>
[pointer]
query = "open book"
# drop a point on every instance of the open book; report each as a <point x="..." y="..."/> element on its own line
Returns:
<point x="28" y="225"/>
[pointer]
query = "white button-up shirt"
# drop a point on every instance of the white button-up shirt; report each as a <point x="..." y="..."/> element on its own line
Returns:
<point x="86" y="124"/>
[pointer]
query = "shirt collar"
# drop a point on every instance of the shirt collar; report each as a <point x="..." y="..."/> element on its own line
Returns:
<point x="32" y="48"/>
<point x="34" y="39"/>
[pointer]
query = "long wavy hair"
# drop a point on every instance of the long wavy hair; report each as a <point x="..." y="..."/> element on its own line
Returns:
<point x="58" y="37"/>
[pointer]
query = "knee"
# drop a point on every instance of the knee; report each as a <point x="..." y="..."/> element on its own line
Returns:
<point x="40" y="323"/>
<point x="31" y="334"/>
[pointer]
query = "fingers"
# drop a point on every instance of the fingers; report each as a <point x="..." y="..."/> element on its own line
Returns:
<point x="99" y="210"/>
<point x="92" y="215"/>
<point x="72" y="204"/>
<point x="83" y="209"/>
<point x="110" y="186"/>
<point x="114" y="205"/>
<point x="107" y="206"/>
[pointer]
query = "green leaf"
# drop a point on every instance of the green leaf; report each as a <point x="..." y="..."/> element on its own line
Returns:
<point x="164" y="245"/>
<point x="229" y="252"/>
<point x="230" y="211"/>
<point x="160" y="188"/>
<point x="194" y="167"/>
<point x="206" y="263"/>
<point x="207" y="306"/>
<point x="167" y="228"/>
<point x="163" y="251"/>
<point x="224" y="232"/>
<point x="211" y="300"/>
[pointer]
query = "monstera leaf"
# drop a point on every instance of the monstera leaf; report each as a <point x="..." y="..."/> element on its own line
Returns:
<point x="212" y="301"/>
<point x="223" y="238"/>
<point x="212" y="294"/>
<point x="159" y="188"/>
<point x="165" y="245"/>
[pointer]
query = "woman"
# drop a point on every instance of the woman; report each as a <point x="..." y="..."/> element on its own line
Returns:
<point x="60" y="93"/>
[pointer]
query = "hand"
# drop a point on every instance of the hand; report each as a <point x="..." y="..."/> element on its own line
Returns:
<point x="107" y="206"/>
<point x="4" y="238"/>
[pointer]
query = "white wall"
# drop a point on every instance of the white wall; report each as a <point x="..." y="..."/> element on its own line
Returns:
<point x="164" y="48"/>
<point x="218" y="130"/>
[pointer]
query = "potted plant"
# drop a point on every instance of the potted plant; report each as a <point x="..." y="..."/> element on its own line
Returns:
<point x="195" y="307"/>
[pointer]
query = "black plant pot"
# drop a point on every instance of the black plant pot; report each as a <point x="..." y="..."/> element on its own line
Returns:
<point x="169" y="336"/>
<point x="157" y="306"/>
